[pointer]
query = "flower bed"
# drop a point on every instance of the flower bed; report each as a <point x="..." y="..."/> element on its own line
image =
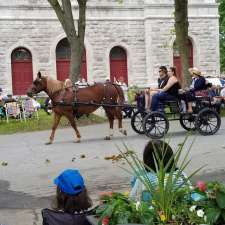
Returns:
<point x="186" y="205"/>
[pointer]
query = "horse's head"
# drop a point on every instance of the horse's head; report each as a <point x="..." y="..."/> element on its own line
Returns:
<point x="39" y="84"/>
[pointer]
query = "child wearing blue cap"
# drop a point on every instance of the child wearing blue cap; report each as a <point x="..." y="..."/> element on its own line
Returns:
<point x="71" y="203"/>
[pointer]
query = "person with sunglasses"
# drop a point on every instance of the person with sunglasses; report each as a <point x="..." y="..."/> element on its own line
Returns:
<point x="150" y="92"/>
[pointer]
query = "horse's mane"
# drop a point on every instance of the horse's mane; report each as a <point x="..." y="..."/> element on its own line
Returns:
<point x="54" y="85"/>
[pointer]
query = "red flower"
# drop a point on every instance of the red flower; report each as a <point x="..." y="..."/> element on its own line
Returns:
<point x="105" y="221"/>
<point x="201" y="185"/>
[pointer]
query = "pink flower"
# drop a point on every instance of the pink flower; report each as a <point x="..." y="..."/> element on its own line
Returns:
<point x="201" y="185"/>
<point x="105" y="221"/>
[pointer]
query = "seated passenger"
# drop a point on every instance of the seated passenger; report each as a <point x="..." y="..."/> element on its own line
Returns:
<point x="197" y="88"/>
<point x="140" y="101"/>
<point x="72" y="201"/>
<point x="155" y="152"/>
<point x="168" y="92"/>
<point x="68" y="84"/>
<point x="81" y="83"/>
<point x="162" y="81"/>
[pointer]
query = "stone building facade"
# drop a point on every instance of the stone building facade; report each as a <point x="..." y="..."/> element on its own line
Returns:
<point x="142" y="28"/>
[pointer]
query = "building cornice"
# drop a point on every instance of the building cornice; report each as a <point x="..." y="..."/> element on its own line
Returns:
<point x="117" y="7"/>
<point x="108" y="18"/>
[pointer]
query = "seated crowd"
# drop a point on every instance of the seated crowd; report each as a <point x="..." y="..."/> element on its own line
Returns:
<point x="15" y="107"/>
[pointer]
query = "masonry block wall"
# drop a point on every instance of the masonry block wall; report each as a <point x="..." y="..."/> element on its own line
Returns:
<point x="144" y="28"/>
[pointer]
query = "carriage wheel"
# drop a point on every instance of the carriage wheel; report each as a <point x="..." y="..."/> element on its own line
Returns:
<point x="187" y="121"/>
<point x="137" y="121"/>
<point x="207" y="122"/>
<point x="155" y="125"/>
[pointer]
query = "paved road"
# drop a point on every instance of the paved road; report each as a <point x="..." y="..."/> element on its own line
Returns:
<point x="26" y="183"/>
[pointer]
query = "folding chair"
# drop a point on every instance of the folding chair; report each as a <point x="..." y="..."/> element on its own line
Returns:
<point x="28" y="109"/>
<point x="2" y="112"/>
<point x="12" y="109"/>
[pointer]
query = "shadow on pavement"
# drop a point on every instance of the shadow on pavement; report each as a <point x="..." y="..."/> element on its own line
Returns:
<point x="19" y="200"/>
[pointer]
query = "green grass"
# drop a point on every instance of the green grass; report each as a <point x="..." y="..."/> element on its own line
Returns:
<point x="43" y="123"/>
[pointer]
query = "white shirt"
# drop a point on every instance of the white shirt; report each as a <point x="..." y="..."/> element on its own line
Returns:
<point x="125" y="89"/>
<point x="222" y="93"/>
<point x="81" y="84"/>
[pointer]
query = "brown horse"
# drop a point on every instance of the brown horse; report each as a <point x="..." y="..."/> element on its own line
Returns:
<point x="63" y="98"/>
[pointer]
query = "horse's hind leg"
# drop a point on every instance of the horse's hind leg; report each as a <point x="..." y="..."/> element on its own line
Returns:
<point x="70" y="117"/>
<point x="57" y="118"/>
<point x="119" y="116"/>
<point x="110" y="117"/>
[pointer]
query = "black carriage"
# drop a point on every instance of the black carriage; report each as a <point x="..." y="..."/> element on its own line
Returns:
<point x="205" y="118"/>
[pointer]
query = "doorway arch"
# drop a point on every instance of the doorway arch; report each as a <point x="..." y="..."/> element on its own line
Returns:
<point x="177" y="59"/>
<point x="63" y="60"/>
<point x="118" y="64"/>
<point x="22" y="70"/>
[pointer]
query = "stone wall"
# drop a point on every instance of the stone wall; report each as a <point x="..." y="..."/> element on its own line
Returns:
<point x="144" y="28"/>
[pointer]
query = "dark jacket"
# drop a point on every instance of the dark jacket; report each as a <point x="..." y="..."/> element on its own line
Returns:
<point x="200" y="84"/>
<point x="51" y="217"/>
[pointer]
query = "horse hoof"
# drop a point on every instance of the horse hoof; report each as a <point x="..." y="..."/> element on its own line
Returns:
<point x="78" y="141"/>
<point x="125" y="132"/>
<point x="107" y="138"/>
<point x="48" y="143"/>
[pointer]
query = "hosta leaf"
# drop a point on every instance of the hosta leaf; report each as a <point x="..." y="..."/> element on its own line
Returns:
<point x="220" y="199"/>
<point x="223" y="215"/>
<point x="212" y="214"/>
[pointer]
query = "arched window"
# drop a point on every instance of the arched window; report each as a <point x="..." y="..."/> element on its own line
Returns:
<point x="22" y="71"/>
<point x="118" y="64"/>
<point x="63" y="60"/>
<point x="177" y="58"/>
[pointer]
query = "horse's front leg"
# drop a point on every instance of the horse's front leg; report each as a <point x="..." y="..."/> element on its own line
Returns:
<point x="119" y="116"/>
<point x="111" y="121"/>
<point x="70" y="117"/>
<point x="57" y="118"/>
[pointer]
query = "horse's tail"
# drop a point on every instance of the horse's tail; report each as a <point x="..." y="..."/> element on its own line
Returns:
<point x="119" y="90"/>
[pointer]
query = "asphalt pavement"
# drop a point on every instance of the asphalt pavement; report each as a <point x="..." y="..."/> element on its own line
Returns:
<point x="26" y="182"/>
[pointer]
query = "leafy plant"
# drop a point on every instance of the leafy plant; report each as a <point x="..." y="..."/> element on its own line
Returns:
<point x="166" y="196"/>
<point x="119" y="209"/>
<point x="213" y="203"/>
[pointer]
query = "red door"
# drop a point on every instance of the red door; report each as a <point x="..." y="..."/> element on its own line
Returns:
<point x="177" y="60"/>
<point x="63" y="68"/>
<point x="63" y="61"/>
<point x="118" y="64"/>
<point x="22" y="72"/>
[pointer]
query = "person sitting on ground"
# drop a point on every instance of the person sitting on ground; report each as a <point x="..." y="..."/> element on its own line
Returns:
<point x="9" y="98"/>
<point x="71" y="203"/>
<point x="155" y="152"/>
<point x="167" y="93"/>
<point x="162" y="81"/>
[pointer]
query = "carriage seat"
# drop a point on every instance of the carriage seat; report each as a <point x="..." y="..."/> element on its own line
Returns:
<point x="172" y="105"/>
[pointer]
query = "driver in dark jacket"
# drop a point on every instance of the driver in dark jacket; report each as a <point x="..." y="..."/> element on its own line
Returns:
<point x="72" y="201"/>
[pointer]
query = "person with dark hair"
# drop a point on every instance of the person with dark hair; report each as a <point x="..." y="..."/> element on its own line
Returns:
<point x="156" y="152"/>
<point x="167" y="93"/>
<point x="150" y="92"/>
<point x="71" y="203"/>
